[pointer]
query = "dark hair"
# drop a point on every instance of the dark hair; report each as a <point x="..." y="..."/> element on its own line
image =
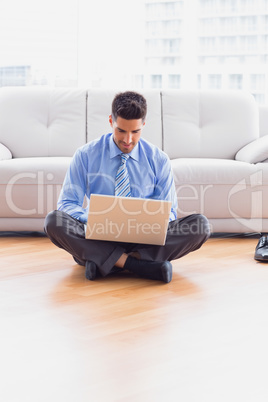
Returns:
<point x="129" y="105"/>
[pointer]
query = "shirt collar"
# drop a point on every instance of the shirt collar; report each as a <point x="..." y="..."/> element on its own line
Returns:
<point x="114" y="150"/>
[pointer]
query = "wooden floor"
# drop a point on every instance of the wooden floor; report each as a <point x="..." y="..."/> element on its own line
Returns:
<point x="202" y="337"/>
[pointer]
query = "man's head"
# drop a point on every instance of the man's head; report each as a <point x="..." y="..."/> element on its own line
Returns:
<point x="130" y="106"/>
<point x="127" y="119"/>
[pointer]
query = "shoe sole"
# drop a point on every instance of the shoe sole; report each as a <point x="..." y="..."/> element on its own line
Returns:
<point x="91" y="270"/>
<point x="261" y="259"/>
<point x="167" y="272"/>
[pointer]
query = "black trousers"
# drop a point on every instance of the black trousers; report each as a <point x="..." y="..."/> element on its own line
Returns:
<point x="183" y="236"/>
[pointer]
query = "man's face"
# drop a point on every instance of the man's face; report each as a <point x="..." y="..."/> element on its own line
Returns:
<point x="126" y="133"/>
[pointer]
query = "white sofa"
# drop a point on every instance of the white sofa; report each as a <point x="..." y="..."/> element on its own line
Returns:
<point x="217" y="143"/>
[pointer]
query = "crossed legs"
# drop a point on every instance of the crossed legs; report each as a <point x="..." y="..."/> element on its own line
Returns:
<point x="184" y="236"/>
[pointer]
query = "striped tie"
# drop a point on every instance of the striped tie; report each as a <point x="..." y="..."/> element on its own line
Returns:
<point x="122" y="186"/>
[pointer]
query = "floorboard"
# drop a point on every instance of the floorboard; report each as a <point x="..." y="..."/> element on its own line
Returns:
<point x="202" y="337"/>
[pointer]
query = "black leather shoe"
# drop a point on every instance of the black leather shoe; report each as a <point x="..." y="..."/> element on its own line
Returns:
<point x="91" y="270"/>
<point x="160" y="271"/>
<point x="261" y="251"/>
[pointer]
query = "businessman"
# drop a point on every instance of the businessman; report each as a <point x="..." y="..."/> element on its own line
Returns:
<point x="122" y="163"/>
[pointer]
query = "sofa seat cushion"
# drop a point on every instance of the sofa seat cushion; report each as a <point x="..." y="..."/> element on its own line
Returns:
<point x="30" y="187"/>
<point x="31" y="170"/>
<point x="220" y="188"/>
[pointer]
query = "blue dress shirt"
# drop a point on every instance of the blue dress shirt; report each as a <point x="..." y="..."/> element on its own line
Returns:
<point x="93" y="170"/>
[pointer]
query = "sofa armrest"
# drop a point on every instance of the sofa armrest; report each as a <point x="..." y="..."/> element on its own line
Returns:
<point x="263" y="120"/>
<point x="254" y="152"/>
<point x="4" y="153"/>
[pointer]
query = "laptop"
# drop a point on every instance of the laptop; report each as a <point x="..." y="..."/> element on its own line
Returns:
<point x="127" y="219"/>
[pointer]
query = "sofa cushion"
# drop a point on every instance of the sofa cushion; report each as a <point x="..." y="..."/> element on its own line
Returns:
<point x="4" y="153"/>
<point x="254" y="152"/>
<point x="220" y="188"/>
<point x="208" y="124"/>
<point x="30" y="187"/>
<point x="34" y="170"/>
<point x="40" y="121"/>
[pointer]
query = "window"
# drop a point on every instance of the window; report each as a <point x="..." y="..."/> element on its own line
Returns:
<point x="15" y="76"/>
<point x="248" y="43"/>
<point x="156" y="81"/>
<point x="228" y="47"/>
<point x="164" y="9"/>
<point x="214" y="81"/>
<point x="248" y="5"/>
<point x="260" y="98"/>
<point x="216" y="44"/>
<point x="235" y="81"/>
<point x="257" y="82"/>
<point x="163" y="46"/>
<point x="229" y="25"/>
<point x="174" y="81"/>
<point x="207" y="44"/>
<point x="138" y="81"/>
<point x="248" y="24"/>
<point x="229" y="44"/>
<point x="38" y="42"/>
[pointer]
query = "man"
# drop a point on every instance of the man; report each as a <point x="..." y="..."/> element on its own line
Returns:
<point x="122" y="163"/>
